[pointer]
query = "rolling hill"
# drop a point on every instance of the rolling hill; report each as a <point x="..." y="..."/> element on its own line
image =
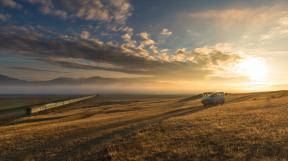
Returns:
<point x="250" y="126"/>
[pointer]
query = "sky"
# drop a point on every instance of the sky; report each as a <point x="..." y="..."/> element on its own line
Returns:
<point x="160" y="46"/>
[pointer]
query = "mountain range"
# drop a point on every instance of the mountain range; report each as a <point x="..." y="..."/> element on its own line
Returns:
<point x="6" y="80"/>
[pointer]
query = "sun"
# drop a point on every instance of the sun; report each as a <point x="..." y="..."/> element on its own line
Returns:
<point x="254" y="68"/>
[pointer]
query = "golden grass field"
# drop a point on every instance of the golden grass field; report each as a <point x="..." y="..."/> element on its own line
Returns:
<point x="252" y="126"/>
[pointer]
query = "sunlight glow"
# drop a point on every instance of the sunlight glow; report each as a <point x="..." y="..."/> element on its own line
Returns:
<point x="254" y="68"/>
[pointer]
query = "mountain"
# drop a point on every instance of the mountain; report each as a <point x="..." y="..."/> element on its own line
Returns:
<point x="5" y="80"/>
<point x="8" y="80"/>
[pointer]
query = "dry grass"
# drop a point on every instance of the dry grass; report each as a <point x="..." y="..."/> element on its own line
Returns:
<point x="248" y="127"/>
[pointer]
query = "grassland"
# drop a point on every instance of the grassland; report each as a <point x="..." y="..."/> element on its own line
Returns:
<point x="250" y="126"/>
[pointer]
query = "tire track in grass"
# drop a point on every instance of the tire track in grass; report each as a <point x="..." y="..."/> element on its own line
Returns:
<point x="86" y="146"/>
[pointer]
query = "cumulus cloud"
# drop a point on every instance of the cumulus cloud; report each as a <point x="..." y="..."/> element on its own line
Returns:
<point x="126" y="37"/>
<point x="127" y="29"/>
<point x="122" y="10"/>
<point x="45" y="5"/>
<point x="100" y="10"/>
<point x="97" y="41"/>
<point x="85" y="35"/>
<point x="93" y="11"/>
<point x="216" y="57"/>
<point x="47" y="8"/>
<point x="10" y="4"/>
<point x="4" y="17"/>
<point x="84" y="52"/>
<point x="165" y="32"/>
<point x="180" y="55"/>
<point x="146" y="38"/>
<point x="164" y="57"/>
<point x="129" y="42"/>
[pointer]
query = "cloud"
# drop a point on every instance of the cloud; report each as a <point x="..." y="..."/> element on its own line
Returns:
<point x="84" y="53"/>
<point x="278" y="30"/>
<point x="248" y="20"/>
<point x="127" y="29"/>
<point x="253" y="27"/>
<point x="146" y="38"/>
<point x="180" y="55"/>
<point x="231" y="14"/>
<point x="117" y="10"/>
<point x="35" y="70"/>
<point x="10" y="4"/>
<point x="46" y="5"/>
<point x="32" y="43"/>
<point x="122" y="10"/>
<point x="95" y="10"/>
<point x="97" y="41"/>
<point x="85" y="35"/>
<point x="126" y="37"/>
<point x="216" y="57"/>
<point x="165" y="32"/>
<point x="47" y="8"/>
<point x="60" y="13"/>
<point x="4" y="17"/>
<point x="129" y="44"/>
<point x="241" y="17"/>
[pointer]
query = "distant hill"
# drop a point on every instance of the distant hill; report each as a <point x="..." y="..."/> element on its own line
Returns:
<point x="5" y="80"/>
<point x="8" y="80"/>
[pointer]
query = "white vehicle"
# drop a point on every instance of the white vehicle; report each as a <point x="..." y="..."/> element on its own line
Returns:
<point x="211" y="98"/>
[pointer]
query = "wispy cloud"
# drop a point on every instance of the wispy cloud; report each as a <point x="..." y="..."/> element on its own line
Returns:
<point x="279" y="30"/>
<point x="85" y="35"/>
<point x="165" y="32"/>
<point x="248" y="17"/>
<point x="10" y="4"/>
<point x="4" y="17"/>
<point x="35" y="69"/>
<point x="47" y="8"/>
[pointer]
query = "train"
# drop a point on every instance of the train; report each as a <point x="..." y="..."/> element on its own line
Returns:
<point x="27" y="111"/>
